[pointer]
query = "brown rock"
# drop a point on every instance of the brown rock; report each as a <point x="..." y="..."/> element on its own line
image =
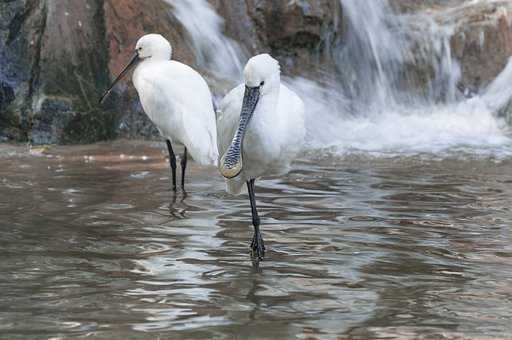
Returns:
<point x="482" y="41"/>
<point x="297" y="32"/>
<point x="482" y="38"/>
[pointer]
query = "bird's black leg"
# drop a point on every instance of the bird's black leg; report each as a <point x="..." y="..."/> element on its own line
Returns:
<point x="183" y="168"/>
<point x="257" y="245"/>
<point x="172" y="162"/>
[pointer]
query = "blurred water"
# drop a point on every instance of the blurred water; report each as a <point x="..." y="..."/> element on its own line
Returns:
<point x="373" y="102"/>
<point x="95" y="245"/>
<point x="216" y="54"/>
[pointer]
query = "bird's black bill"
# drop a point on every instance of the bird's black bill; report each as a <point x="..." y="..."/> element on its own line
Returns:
<point x="231" y="163"/>
<point x="133" y="62"/>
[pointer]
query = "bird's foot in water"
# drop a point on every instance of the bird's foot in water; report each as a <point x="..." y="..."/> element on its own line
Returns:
<point x="257" y="247"/>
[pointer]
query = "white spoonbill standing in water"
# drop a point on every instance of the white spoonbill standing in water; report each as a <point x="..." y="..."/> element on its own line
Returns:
<point x="261" y="130"/>
<point x="177" y="100"/>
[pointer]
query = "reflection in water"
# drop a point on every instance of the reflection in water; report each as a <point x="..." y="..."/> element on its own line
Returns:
<point x="95" y="244"/>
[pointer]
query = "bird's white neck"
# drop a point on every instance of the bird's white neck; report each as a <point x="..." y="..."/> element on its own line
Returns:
<point x="268" y="101"/>
<point x="144" y="63"/>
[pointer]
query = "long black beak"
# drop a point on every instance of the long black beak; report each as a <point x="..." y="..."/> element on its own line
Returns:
<point x="231" y="162"/>
<point x="133" y="62"/>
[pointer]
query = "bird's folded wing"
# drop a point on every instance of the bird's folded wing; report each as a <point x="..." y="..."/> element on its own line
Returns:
<point x="201" y="136"/>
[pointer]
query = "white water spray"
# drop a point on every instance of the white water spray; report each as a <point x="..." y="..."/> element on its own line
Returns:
<point x="370" y="107"/>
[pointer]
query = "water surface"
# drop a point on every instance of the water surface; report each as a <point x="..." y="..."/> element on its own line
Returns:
<point x="95" y="244"/>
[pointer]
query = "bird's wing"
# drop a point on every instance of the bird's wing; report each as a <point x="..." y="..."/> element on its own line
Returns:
<point x="189" y="93"/>
<point x="201" y="136"/>
<point x="228" y="117"/>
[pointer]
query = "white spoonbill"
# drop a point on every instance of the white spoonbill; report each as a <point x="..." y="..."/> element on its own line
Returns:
<point x="261" y="130"/>
<point x="177" y="100"/>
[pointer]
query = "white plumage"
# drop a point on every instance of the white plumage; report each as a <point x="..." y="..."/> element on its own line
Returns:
<point x="276" y="131"/>
<point x="261" y="130"/>
<point x="176" y="98"/>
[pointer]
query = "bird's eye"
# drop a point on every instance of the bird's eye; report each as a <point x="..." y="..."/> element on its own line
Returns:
<point x="262" y="83"/>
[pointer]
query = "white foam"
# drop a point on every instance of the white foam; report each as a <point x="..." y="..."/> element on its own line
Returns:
<point x="471" y="124"/>
<point x="364" y="109"/>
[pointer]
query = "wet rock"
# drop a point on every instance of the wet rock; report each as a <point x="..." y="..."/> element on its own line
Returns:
<point x="482" y="41"/>
<point x="52" y="50"/>
<point x="6" y="96"/>
<point x="20" y="31"/>
<point x="240" y="25"/>
<point x="481" y="34"/>
<point x="7" y="119"/>
<point x="298" y="33"/>
<point x="50" y="121"/>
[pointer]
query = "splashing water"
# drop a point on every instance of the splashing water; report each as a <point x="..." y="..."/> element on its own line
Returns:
<point x="370" y="106"/>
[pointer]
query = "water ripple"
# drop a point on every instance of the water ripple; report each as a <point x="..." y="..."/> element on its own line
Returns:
<point x="357" y="247"/>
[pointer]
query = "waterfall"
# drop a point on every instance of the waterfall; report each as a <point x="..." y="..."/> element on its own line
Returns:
<point x="381" y="47"/>
<point x="371" y="104"/>
<point x="374" y="54"/>
<point x="222" y="57"/>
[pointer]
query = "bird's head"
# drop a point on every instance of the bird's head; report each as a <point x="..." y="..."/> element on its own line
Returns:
<point x="148" y="47"/>
<point x="262" y="76"/>
<point x="262" y="71"/>
<point x="153" y="46"/>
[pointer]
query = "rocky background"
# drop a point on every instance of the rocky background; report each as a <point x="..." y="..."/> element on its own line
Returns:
<point x="57" y="56"/>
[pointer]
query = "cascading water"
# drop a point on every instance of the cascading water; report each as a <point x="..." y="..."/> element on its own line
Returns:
<point x="374" y="55"/>
<point x="386" y="114"/>
<point x="381" y="47"/>
<point x="372" y="105"/>
<point x="221" y="56"/>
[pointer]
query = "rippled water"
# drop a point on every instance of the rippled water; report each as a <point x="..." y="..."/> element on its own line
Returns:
<point x="93" y="243"/>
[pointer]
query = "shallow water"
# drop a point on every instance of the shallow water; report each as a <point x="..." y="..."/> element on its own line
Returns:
<point x="93" y="243"/>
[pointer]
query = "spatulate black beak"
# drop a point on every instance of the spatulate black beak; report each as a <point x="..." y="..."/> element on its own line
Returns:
<point x="231" y="162"/>
<point x="133" y="62"/>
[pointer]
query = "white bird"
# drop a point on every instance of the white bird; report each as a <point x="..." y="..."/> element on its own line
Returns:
<point x="177" y="100"/>
<point x="261" y="129"/>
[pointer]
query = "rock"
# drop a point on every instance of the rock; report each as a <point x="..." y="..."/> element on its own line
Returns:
<point x="21" y="23"/>
<point x="50" y="121"/>
<point x="298" y="33"/>
<point x="61" y="55"/>
<point x="239" y="24"/>
<point x="413" y="6"/>
<point x="7" y="119"/>
<point x="481" y="38"/>
<point x="482" y="41"/>
<point x="52" y="50"/>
